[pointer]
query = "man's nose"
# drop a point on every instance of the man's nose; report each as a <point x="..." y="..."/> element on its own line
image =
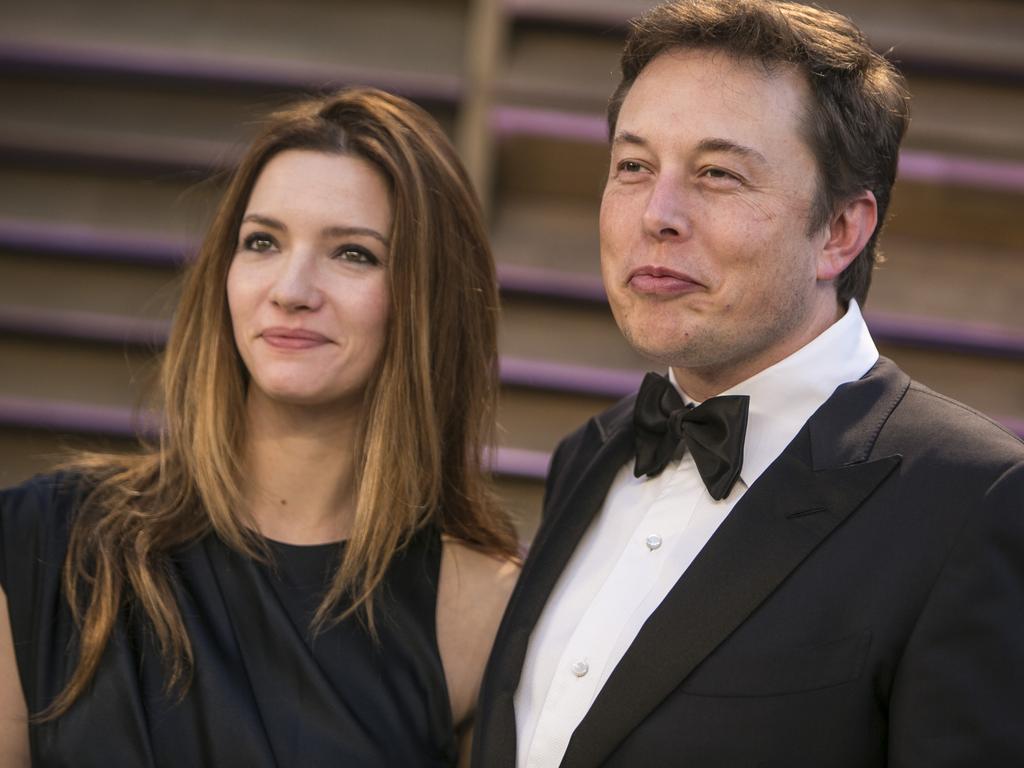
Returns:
<point x="666" y="215"/>
<point x="296" y="286"/>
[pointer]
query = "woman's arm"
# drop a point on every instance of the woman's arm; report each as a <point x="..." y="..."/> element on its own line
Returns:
<point x="473" y="590"/>
<point x="13" y="712"/>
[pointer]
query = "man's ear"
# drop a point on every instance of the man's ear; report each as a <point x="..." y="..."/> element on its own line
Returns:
<point x="848" y="232"/>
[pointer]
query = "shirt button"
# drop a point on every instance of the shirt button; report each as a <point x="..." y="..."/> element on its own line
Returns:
<point x="653" y="541"/>
<point x="580" y="668"/>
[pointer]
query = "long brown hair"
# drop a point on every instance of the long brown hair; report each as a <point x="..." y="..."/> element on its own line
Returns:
<point x="428" y="416"/>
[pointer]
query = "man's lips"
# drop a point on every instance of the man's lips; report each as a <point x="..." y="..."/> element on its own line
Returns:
<point x="293" y="338"/>
<point x="661" y="280"/>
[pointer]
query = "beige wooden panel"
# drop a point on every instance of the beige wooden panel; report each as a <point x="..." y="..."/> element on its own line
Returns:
<point x="88" y="373"/>
<point x="522" y="499"/>
<point x="53" y="283"/>
<point x="546" y="167"/>
<point x="196" y="123"/>
<point x="970" y="215"/>
<point x="537" y="420"/>
<point x="152" y="109"/>
<point x="566" y="332"/>
<point x="27" y="452"/>
<point x="562" y="68"/>
<point x="172" y="205"/>
<point x="966" y="116"/>
<point x="560" y="235"/>
<point x="939" y="278"/>
<point x="403" y="36"/>
<point x="978" y="32"/>
<point x="991" y="385"/>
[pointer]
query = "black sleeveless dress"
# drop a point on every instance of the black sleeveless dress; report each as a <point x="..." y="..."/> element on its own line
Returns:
<point x="264" y="692"/>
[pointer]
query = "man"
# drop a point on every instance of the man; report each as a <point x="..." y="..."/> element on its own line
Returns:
<point x="822" y="563"/>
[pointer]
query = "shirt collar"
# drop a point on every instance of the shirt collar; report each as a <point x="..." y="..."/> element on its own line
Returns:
<point x="785" y="395"/>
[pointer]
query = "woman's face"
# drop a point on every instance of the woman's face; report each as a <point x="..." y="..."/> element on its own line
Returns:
<point x="307" y="288"/>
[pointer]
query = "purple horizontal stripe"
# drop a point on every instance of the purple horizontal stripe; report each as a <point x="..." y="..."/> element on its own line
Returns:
<point x="936" y="333"/>
<point x="143" y="61"/>
<point x="915" y="165"/>
<point x="559" y="13"/>
<point x="83" y="241"/>
<point x="935" y="168"/>
<point x="517" y="462"/>
<point x="62" y="416"/>
<point x="546" y="283"/>
<point x="529" y="121"/>
<point x="84" y="326"/>
<point x="65" y="416"/>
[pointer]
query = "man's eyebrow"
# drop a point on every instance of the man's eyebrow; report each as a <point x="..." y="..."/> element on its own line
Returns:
<point x="273" y="223"/>
<point x="726" y="145"/>
<point x="625" y="137"/>
<point x="705" y="145"/>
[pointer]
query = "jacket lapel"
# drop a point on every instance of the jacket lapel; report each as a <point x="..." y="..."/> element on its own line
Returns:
<point x="821" y="477"/>
<point x="569" y="509"/>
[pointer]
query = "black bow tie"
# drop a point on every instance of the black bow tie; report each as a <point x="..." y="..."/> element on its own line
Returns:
<point x="713" y="433"/>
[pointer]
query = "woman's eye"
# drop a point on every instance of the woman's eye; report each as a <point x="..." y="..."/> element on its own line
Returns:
<point x="258" y="242"/>
<point x="356" y="254"/>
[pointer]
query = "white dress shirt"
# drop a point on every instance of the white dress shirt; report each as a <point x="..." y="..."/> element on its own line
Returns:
<point x="646" y="535"/>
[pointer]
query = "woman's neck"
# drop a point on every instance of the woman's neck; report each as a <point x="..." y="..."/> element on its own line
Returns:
<point x="300" y="470"/>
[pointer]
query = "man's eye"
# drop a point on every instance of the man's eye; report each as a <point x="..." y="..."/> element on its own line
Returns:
<point x="258" y="242"/>
<point x="718" y="173"/>
<point x="630" y="166"/>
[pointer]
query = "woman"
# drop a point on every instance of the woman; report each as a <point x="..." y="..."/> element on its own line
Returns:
<point x="308" y="570"/>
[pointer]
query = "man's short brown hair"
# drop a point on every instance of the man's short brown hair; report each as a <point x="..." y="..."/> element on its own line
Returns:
<point x="859" y="105"/>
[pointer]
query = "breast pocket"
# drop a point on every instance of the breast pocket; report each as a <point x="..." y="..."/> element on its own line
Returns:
<point x="780" y="670"/>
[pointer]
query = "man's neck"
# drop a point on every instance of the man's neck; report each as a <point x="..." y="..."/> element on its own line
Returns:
<point x="703" y="383"/>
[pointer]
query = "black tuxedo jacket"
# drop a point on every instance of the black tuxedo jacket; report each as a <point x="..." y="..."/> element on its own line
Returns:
<point x="862" y="605"/>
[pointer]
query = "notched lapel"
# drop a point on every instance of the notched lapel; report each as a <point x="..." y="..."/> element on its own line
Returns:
<point x="605" y="447"/>
<point x="565" y="522"/>
<point x="781" y="519"/>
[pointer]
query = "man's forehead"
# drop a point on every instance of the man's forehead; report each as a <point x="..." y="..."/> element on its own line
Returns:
<point x="719" y="95"/>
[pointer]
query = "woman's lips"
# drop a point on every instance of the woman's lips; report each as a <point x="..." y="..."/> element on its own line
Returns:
<point x="293" y="338"/>
<point x="661" y="281"/>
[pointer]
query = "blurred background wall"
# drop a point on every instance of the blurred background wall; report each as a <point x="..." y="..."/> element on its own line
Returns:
<point x="116" y="117"/>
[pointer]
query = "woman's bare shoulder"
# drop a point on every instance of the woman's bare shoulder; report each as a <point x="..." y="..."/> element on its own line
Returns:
<point x="476" y="573"/>
<point x="473" y="591"/>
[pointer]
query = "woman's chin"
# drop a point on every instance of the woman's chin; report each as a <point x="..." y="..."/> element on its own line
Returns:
<point x="302" y="395"/>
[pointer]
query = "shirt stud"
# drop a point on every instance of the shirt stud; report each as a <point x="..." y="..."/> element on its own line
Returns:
<point x="580" y="668"/>
<point x="653" y="541"/>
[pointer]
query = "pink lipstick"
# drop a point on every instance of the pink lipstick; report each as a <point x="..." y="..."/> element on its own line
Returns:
<point x="293" y="338"/>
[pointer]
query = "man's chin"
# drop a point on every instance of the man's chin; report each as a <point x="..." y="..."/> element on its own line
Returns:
<point x="664" y="349"/>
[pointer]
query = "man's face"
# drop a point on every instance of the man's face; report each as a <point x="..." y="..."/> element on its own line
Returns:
<point x="705" y="252"/>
